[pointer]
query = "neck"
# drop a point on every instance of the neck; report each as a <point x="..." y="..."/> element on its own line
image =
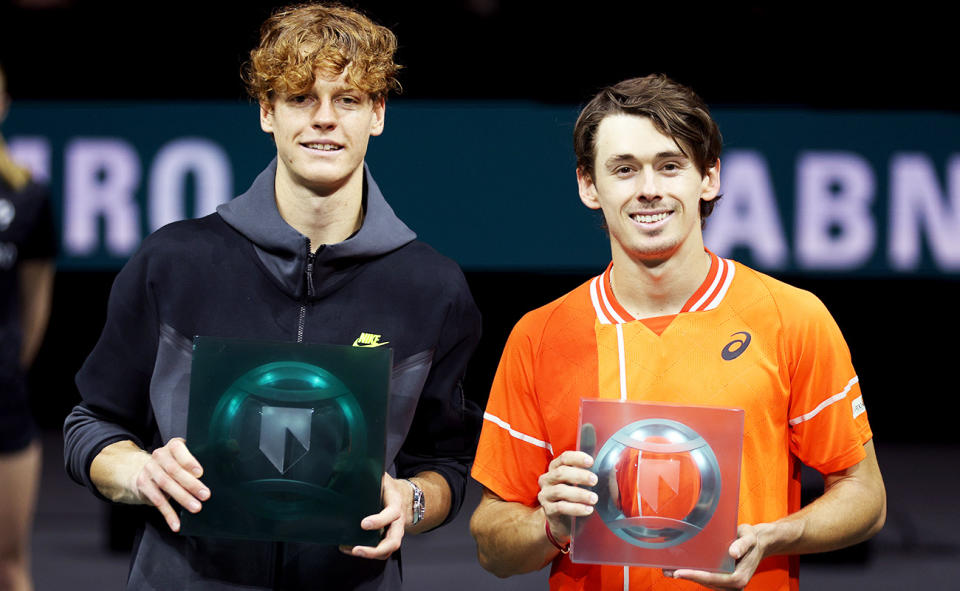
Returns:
<point x="657" y="288"/>
<point x="323" y="216"/>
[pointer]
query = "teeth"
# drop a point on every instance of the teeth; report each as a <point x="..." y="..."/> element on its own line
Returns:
<point x="324" y="147"/>
<point x="649" y="219"/>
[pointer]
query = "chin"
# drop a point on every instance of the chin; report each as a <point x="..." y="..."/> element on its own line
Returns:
<point x="653" y="252"/>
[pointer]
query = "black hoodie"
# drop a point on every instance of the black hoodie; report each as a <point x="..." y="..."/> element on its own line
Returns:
<point x="243" y="272"/>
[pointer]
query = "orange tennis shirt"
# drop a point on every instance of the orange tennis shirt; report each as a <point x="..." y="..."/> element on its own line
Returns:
<point x="743" y="340"/>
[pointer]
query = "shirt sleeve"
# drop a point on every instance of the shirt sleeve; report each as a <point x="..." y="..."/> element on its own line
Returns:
<point x="514" y="448"/>
<point x="41" y="241"/>
<point x="827" y="417"/>
<point x="443" y="434"/>
<point x="114" y="380"/>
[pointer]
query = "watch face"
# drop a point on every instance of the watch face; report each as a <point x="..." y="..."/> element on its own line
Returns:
<point x="661" y="481"/>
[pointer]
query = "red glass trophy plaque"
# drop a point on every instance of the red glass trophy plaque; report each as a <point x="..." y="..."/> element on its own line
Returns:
<point x="668" y="485"/>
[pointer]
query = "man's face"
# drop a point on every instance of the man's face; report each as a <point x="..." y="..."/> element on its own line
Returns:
<point x="648" y="190"/>
<point x="322" y="135"/>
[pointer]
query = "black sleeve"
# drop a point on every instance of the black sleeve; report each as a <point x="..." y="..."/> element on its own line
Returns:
<point x="445" y="428"/>
<point x="41" y="241"/>
<point x="114" y="381"/>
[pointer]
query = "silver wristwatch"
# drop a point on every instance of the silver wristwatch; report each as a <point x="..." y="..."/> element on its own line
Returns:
<point x="418" y="504"/>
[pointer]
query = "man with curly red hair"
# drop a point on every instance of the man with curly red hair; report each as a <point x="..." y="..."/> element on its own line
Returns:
<point x="310" y="253"/>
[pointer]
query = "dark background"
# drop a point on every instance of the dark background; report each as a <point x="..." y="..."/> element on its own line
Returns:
<point x="820" y="57"/>
<point x="808" y="54"/>
<point x="901" y="331"/>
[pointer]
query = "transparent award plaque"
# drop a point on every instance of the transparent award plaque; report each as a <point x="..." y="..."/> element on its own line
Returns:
<point x="668" y="485"/>
<point x="291" y="437"/>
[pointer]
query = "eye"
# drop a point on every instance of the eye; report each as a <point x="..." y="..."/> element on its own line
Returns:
<point x="299" y="99"/>
<point x="349" y="100"/>
<point x="622" y="171"/>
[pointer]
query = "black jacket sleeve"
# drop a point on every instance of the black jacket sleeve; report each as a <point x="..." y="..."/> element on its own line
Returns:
<point x="446" y="425"/>
<point x="114" y="381"/>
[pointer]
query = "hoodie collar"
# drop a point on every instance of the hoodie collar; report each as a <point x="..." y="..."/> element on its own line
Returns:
<point x="284" y="251"/>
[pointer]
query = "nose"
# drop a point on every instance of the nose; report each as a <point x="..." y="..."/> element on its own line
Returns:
<point x="324" y="115"/>
<point x="648" y="185"/>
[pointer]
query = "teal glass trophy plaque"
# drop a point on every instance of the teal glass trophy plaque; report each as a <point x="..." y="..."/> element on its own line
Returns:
<point x="291" y="437"/>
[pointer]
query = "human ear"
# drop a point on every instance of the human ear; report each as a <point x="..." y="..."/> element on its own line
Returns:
<point x="266" y="117"/>
<point x="588" y="190"/>
<point x="379" y="113"/>
<point x="711" y="183"/>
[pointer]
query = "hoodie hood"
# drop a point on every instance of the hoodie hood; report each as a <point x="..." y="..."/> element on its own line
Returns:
<point x="284" y="251"/>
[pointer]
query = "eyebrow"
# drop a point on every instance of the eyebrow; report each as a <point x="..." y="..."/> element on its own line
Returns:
<point x="620" y="158"/>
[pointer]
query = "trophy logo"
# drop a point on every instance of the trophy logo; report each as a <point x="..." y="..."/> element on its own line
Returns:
<point x="284" y="435"/>
<point x="301" y="412"/>
<point x="660" y="483"/>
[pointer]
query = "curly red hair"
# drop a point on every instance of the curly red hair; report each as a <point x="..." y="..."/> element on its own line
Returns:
<point x="299" y="40"/>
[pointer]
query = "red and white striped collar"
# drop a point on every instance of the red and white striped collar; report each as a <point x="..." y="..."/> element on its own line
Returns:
<point x="707" y="297"/>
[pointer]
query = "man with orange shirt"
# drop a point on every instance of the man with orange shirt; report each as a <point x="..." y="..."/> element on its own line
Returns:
<point x="669" y="321"/>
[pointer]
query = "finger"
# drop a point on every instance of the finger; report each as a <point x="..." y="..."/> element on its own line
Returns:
<point x="181" y="465"/>
<point x="566" y="493"/>
<point x="171" y="488"/>
<point x="567" y="509"/>
<point x="178" y="448"/>
<point x="568" y="475"/>
<point x="707" y="579"/>
<point x="387" y="546"/>
<point x="156" y="498"/>
<point x="739" y="548"/>
<point x="588" y="439"/>
<point x="572" y="458"/>
<point x="165" y="458"/>
<point x="746" y="542"/>
<point x="711" y="580"/>
<point x="384" y="518"/>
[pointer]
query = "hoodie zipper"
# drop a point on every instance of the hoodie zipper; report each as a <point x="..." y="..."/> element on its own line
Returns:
<point x="279" y="548"/>
<point x="308" y="273"/>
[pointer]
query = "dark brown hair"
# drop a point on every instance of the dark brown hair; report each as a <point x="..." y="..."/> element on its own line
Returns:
<point x="674" y="109"/>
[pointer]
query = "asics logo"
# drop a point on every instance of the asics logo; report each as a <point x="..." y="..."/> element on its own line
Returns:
<point x="367" y="339"/>
<point x="736" y="347"/>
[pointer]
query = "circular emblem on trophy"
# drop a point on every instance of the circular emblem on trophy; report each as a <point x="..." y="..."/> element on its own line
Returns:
<point x="658" y="483"/>
<point x="287" y="434"/>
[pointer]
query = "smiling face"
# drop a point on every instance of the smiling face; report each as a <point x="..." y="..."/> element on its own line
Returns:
<point x="648" y="189"/>
<point x="322" y="134"/>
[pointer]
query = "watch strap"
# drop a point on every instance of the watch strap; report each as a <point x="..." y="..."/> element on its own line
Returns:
<point x="419" y="506"/>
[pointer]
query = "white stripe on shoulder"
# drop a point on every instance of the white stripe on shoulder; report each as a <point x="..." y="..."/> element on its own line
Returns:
<point x="517" y="434"/>
<point x="835" y="398"/>
<point x="606" y="301"/>
<point x="713" y="286"/>
<point x="594" y="286"/>
<point x="723" y="288"/>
